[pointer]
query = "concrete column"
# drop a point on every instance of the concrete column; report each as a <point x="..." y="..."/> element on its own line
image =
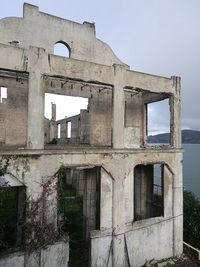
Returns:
<point x="178" y="205"/>
<point x="168" y="194"/>
<point x="35" y="111"/>
<point x="85" y="127"/>
<point x="106" y="200"/>
<point x="118" y="107"/>
<point x="50" y="202"/>
<point x="175" y="110"/>
<point x="53" y="130"/>
<point x="37" y="64"/>
<point x="53" y="109"/>
<point x="119" y="213"/>
<point x="119" y="259"/>
<point x="63" y="129"/>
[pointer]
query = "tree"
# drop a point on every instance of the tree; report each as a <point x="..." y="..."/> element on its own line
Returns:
<point x="191" y="219"/>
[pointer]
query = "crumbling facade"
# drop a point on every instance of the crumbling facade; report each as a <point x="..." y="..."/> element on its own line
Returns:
<point x="107" y="159"/>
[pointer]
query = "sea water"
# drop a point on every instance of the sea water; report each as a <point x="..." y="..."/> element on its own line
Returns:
<point x="191" y="168"/>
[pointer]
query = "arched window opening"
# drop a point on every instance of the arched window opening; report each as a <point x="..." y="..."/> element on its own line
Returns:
<point x="62" y="49"/>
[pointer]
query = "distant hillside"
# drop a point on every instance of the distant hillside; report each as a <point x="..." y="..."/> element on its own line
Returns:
<point x="188" y="137"/>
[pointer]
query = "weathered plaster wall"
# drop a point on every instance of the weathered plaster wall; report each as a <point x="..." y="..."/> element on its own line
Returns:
<point x="85" y="127"/>
<point x="134" y="120"/>
<point x="46" y="130"/>
<point x="14" y="111"/>
<point x="100" y="119"/>
<point x="16" y="117"/>
<point x="56" y="255"/>
<point x="80" y="37"/>
<point x="116" y="199"/>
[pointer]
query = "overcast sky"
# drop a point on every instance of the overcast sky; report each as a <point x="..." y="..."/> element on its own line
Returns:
<point x="155" y="36"/>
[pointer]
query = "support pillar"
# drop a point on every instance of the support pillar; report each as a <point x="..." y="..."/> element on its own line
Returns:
<point x="118" y="107"/>
<point x="36" y="66"/>
<point x="119" y="258"/>
<point x="178" y="206"/>
<point x="175" y="110"/>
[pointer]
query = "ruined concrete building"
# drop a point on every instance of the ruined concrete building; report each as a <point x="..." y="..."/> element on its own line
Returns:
<point x="129" y="193"/>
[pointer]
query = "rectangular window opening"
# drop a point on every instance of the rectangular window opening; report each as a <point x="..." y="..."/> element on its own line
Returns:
<point x="3" y="94"/>
<point x="66" y="119"/>
<point x="148" y="191"/>
<point x="158" y="123"/>
<point x="58" y="131"/>
<point x="69" y="129"/>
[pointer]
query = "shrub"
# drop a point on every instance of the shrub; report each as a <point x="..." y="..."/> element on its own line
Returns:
<point x="191" y="219"/>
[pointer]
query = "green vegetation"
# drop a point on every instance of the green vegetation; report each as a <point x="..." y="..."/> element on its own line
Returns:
<point x="8" y="217"/>
<point x="71" y="210"/>
<point x="53" y="141"/>
<point x="191" y="221"/>
<point x="158" y="200"/>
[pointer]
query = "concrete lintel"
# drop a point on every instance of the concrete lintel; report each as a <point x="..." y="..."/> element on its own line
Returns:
<point x="153" y="83"/>
<point x="83" y="150"/>
<point x="18" y="75"/>
<point x="80" y="69"/>
<point x="75" y="87"/>
<point x="80" y="167"/>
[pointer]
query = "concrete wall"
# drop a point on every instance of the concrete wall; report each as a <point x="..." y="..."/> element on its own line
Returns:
<point x="16" y="119"/>
<point x="75" y="122"/>
<point x="14" y="112"/>
<point x="117" y="200"/>
<point x="56" y="255"/>
<point x="80" y="128"/>
<point x="75" y="129"/>
<point x="46" y="130"/>
<point x="80" y="37"/>
<point x="134" y="122"/>
<point x="85" y="127"/>
<point x="150" y="242"/>
<point x="100" y="119"/>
